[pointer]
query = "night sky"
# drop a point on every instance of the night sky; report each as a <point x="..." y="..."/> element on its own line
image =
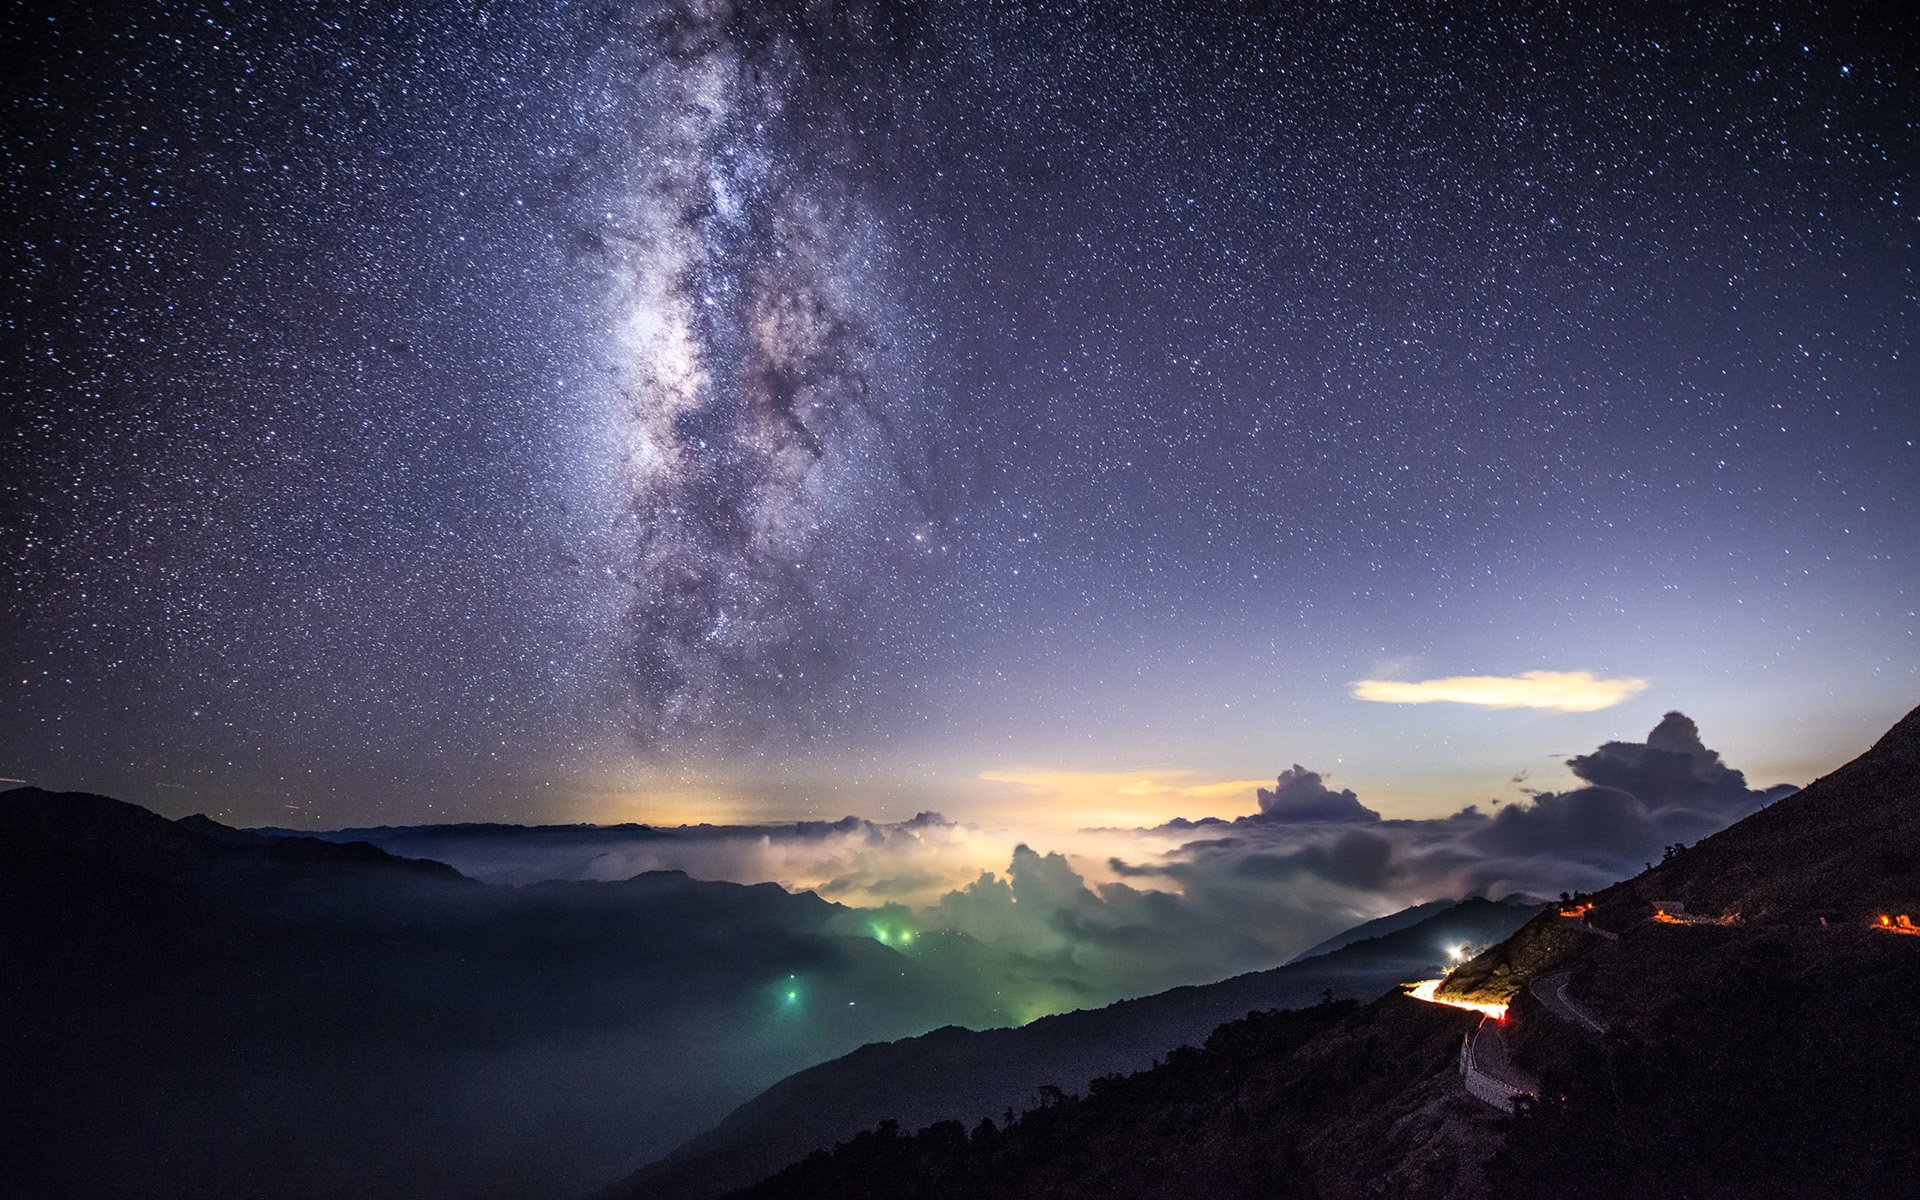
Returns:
<point x="550" y="411"/>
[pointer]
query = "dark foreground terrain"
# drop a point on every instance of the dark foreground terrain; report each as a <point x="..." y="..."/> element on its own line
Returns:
<point x="1735" y="1023"/>
<point x="966" y="1075"/>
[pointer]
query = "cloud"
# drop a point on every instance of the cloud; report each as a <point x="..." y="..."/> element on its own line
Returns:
<point x="1276" y="876"/>
<point x="1593" y="822"/>
<point x="850" y="861"/>
<point x="1561" y="691"/>
<point x="1641" y="796"/>
<point x="1299" y="795"/>
<point x="1684" y="785"/>
<point x="1034" y="919"/>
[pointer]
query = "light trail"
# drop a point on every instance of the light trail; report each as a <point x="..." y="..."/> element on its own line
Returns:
<point x="1428" y="990"/>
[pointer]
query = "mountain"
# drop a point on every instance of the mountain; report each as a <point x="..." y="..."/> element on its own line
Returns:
<point x="194" y="1010"/>
<point x="504" y="853"/>
<point x="965" y="1075"/>
<point x="1378" y="927"/>
<point x="1846" y="847"/>
<point x="1760" y="1020"/>
<point x="1736" y="1022"/>
<point x="507" y="853"/>
<point x="1335" y="1100"/>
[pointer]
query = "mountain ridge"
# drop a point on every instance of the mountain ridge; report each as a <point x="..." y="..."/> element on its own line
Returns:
<point x="953" y="1073"/>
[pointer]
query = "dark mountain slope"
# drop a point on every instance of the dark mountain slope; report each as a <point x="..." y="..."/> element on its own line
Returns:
<point x="1738" y="1064"/>
<point x="192" y="1010"/>
<point x="1378" y="927"/>
<point x="1771" y="1056"/>
<point x="1847" y="847"/>
<point x="1764" y="1042"/>
<point x="958" y="1074"/>
<point x="1334" y="1101"/>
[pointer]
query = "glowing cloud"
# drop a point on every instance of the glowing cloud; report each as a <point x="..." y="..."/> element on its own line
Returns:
<point x="1562" y="691"/>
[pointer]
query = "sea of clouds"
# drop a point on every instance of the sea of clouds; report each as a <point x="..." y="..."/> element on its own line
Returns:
<point x="1091" y="916"/>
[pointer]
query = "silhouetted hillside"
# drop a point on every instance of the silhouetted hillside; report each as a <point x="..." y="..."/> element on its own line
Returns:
<point x="1845" y="849"/>
<point x="1699" y="1056"/>
<point x="193" y="1010"/>
<point x="1378" y="927"/>
<point x="1332" y="1101"/>
<point x="958" y="1074"/>
<point x="1762" y="1042"/>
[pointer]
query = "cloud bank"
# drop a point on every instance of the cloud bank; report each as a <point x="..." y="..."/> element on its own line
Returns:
<point x="1560" y="691"/>
<point x="1040" y="921"/>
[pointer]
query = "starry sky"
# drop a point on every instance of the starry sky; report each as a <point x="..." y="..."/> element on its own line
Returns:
<point x="557" y="411"/>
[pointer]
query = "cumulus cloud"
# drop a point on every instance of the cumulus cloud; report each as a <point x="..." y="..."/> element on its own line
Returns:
<point x="1234" y="894"/>
<point x="1601" y="822"/>
<point x="1561" y="691"/>
<point x="1299" y="795"/>
<point x="1642" y="796"/>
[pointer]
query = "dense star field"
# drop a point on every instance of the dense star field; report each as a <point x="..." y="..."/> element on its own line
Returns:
<point x="557" y="411"/>
<point x="1071" y="597"/>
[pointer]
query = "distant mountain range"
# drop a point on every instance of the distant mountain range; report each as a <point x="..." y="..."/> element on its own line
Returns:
<point x="1381" y="926"/>
<point x="194" y="1010"/>
<point x="1737" y="1022"/>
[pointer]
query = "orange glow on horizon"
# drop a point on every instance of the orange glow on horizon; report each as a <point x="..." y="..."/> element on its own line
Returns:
<point x="1077" y="799"/>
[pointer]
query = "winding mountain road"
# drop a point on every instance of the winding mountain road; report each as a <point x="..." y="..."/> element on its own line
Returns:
<point x="1488" y="1069"/>
<point x="1551" y="990"/>
<point x="1485" y="1062"/>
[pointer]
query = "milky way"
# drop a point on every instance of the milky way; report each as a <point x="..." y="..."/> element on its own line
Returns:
<point x="417" y="411"/>
<point x="745" y="348"/>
